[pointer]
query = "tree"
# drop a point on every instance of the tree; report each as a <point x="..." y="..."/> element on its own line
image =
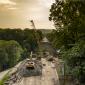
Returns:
<point x="10" y="53"/>
<point x="14" y="51"/>
<point x="69" y="19"/>
<point x="75" y="58"/>
<point x="69" y="15"/>
<point x="26" y="38"/>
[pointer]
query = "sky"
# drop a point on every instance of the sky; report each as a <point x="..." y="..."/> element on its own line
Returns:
<point x="18" y="13"/>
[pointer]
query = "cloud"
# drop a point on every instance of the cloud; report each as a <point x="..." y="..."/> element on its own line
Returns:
<point x="25" y="1"/>
<point x="46" y="3"/>
<point x="12" y="8"/>
<point x="7" y="2"/>
<point x="23" y="11"/>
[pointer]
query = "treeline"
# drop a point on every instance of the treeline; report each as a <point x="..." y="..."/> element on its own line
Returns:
<point x="10" y="53"/>
<point x="16" y="45"/>
<point x="69" y="36"/>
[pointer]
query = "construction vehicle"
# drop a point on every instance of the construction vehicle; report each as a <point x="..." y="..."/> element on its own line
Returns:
<point x="30" y="65"/>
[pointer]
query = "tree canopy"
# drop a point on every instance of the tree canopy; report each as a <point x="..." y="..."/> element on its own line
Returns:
<point x="10" y="53"/>
<point x="16" y="44"/>
<point x="69" y="20"/>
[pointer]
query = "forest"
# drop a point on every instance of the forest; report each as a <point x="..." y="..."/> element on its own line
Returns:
<point x="69" y="36"/>
<point x="16" y="45"/>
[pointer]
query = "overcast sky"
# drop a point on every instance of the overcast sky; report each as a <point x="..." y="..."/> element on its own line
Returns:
<point x="18" y="13"/>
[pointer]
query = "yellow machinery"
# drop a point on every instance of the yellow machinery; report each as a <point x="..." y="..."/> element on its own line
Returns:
<point x="30" y="65"/>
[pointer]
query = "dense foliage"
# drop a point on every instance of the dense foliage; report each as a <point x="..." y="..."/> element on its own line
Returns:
<point x="10" y="53"/>
<point x="26" y="38"/>
<point x="69" y="36"/>
<point x="13" y="41"/>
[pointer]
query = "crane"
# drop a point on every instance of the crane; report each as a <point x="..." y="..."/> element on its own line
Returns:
<point x="36" y="34"/>
<point x="33" y="25"/>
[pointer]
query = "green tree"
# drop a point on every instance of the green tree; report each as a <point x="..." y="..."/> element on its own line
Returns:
<point x="69" y="15"/>
<point x="10" y="53"/>
<point x="14" y="51"/>
<point x="69" y="19"/>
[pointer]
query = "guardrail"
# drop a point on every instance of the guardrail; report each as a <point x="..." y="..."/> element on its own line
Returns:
<point x="15" y="74"/>
<point x="64" y="77"/>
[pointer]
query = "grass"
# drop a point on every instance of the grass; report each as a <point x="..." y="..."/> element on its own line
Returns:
<point x="4" y="79"/>
<point x="6" y="76"/>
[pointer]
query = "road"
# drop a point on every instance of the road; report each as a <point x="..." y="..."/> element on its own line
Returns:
<point x="11" y="70"/>
<point x="49" y="76"/>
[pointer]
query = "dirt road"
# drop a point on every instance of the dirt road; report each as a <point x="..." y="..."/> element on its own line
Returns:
<point x="49" y="76"/>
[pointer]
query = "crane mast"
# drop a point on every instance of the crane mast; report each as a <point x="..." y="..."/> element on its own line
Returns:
<point x="36" y="34"/>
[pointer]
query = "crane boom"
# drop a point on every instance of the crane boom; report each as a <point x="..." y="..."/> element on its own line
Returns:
<point x="33" y="24"/>
<point x="36" y="34"/>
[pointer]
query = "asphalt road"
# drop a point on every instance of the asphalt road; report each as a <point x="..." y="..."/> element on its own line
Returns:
<point x="49" y="76"/>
